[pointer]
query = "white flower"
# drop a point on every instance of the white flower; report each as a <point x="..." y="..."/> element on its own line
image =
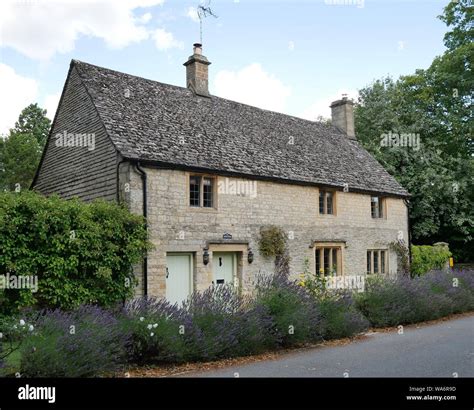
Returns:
<point x="1" y="335"/>
<point x="152" y="334"/>
<point x="31" y="328"/>
<point x="155" y="325"/>
<point x="22" y="322"/>
<point x="142" y="319"/>
<point x="149" y="327"/>
<point x="15" y="327"/>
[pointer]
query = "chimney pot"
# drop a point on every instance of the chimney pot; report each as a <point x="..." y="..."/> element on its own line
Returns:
<point x="342" y="113"/>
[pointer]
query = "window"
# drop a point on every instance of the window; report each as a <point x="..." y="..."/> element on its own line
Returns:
<point x="376" y="207"/>
<point x="195" y="191"/>
<point x="326" y="202"/>
<point x="201" y="191"/>
<point x="328" y="260"/>
<point x="376" y="261"/>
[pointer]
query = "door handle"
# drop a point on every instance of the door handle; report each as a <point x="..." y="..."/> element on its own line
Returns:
<point x="167" y="273"/>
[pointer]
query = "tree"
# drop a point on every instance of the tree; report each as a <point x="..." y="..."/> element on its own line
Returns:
<point x="20" y="151"/>
<point x="436" y="105"/>
<point x="33" y="121"/>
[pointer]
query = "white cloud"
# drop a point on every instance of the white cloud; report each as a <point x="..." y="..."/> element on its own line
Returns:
<point x="145" y="18"/>
<point x="165" y="40"/>
<point x="50" y="104"/>
<point x="291" y="45"/>
<point x="252" y="85"/>
<point x="320" y="108"/>
<point x="17" y="93"/>
<point x="193" y="14"/>
<point x="40" y="29"/>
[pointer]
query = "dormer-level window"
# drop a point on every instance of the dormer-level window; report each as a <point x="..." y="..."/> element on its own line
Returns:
<point x="377" y="207"/>
<point x="201" y="191"/>
<point x="326" y="202"/>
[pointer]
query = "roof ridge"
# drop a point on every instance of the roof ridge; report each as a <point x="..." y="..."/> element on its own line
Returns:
<point x="332" y="127"/>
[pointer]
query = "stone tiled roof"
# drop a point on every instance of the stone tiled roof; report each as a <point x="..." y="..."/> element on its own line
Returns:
<point x="170" y="126"/>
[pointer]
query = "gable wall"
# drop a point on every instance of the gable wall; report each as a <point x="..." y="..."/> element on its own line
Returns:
<point x="78" y="171"/>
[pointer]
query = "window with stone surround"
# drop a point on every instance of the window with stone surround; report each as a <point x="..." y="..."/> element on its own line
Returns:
<point x="326" y="202"/>
<point x="328" y="257"/>
<point x="377" y="205"/>
<point x="201" y="191"/>
<point x="377" y="261"/>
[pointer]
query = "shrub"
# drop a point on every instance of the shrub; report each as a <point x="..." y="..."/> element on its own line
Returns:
<point x="154" y="326"/>
<point x="294" y="311"/>
<point x="212" y="324"/>
<point x="81" y="253"/>
<point x="389" y="302"/>
<point x="82" y="343"/>
<point x="226" y="325"/>
<point x="340" y="318"/>
<point x="426" y="258"/>
<point x="272" y="241"/>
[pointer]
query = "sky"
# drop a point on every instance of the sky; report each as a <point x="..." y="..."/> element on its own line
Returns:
<point x="290" y="56"/>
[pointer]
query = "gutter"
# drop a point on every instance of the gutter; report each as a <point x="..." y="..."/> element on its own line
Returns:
<point x="142" y="172"/>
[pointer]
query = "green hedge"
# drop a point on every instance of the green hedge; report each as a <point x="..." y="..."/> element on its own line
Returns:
<point x="426" y="258"/>
<point x="80" y="253"/>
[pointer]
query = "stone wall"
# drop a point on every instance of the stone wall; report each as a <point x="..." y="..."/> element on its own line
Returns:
<point x="176" y="227"/>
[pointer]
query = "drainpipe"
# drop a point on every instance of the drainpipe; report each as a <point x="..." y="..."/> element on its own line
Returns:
<point x="118" y="179"/>
<point x="409" y="229"/>
<point x="142" y="172"/>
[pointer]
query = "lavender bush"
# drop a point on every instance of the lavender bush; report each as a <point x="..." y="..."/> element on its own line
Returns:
<point x="82" y="343"/>
<point x="158" y="331"/>
<point x="340" y="317"/>
<point x="295" y="312"/>
<point x="389" y="302"/>
<point x="227" y="325"/>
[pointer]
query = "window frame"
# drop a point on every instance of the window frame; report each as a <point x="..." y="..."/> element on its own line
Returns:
<point x="381" y="207"/>
<point x="325" y="193"/>
<point x="202" y="178"/>
<point x="382" y="268"/>
<point x="319" y="251"/>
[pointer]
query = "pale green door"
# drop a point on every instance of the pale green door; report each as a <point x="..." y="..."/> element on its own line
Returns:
<point x="223" y="264"/>
<point x="178" y="277"/>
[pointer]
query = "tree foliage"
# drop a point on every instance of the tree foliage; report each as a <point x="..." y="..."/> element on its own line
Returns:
<point x="436" y="105"/>
<point x="20" y="151"/>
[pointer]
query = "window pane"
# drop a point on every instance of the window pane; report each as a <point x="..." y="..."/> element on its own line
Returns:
<point x="208" y="192"/>
<point x="194" y="191"/>
<point x="382" y="261"/>
<point x="318" y="262"/>
<point x="334" y="261"/>
<point x="380" y="208"/>
<point x="374" y="206"/>
<point x="329" y="202"/>
<point x="321" y="202"/>
<point x="326" y="261"/>
<point x="376" y="262"/>
<point x="369" y="262"/>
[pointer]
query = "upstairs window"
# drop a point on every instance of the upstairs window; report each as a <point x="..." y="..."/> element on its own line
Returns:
<point x="377" y="261"/>
<point x="326" y="202"/>
<point x="201" y="191"/>
<point x="377" y="207"/>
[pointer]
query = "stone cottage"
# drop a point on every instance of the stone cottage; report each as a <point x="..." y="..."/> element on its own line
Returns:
<point x="208" y="174"/>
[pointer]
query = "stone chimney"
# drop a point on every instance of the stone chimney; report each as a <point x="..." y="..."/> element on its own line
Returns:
<point x="342" y="113"/>
<point x="197" y="73"/>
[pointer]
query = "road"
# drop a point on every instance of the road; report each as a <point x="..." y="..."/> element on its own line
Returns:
<point x="444" y="349"/>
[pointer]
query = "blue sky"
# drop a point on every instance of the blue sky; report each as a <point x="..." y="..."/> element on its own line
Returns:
<point x="289" y="56"/>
